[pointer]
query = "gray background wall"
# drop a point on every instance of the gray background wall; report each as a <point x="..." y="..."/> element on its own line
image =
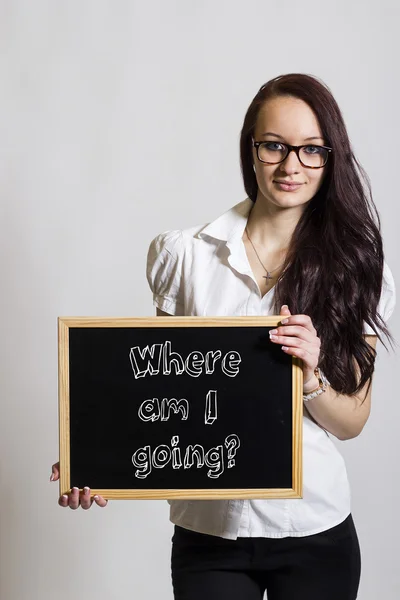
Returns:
<point x="120" y="120"/>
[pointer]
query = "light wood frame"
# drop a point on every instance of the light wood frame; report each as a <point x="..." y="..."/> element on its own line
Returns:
<point x="64" y="323"/>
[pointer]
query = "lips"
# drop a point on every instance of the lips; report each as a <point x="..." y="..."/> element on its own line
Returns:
<point x="288" y="187"/>
<point x="296" y="183"/>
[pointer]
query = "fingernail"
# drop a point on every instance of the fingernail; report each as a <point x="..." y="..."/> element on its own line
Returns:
<point x="284" y="306"/>
<point x="284" y="321"/>
<point x="64" y="497"/>
<point x="96" y="497"/>
<point x="85" y="490"/>
<point x="285" y="348"/>
<point x="52" y="477"/>
<point x="75" y="489"/>
<point x="273" y="332"/>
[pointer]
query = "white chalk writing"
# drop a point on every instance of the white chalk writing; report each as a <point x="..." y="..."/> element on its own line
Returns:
<point x="159" y="358"/>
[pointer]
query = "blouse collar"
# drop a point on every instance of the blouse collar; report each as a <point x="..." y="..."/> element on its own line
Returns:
<point x="231" y="224"/>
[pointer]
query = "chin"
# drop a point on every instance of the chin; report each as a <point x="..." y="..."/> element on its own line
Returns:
<point x="288" y="199"/>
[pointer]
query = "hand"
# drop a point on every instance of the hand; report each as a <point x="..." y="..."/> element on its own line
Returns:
<point x="75" y="498"/>
<point x="299" y="338"/>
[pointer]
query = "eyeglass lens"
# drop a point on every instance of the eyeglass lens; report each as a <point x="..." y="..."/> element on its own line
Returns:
<point x="275" y="152"/>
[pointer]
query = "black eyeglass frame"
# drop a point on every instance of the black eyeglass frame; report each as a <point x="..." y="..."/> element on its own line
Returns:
<point x="289" y="149"/>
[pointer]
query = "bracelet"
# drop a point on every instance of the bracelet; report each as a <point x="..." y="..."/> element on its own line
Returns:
<point x="323" y="384"/>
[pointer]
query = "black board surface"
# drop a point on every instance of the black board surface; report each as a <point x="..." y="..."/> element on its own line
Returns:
<point x="232" y="431"/>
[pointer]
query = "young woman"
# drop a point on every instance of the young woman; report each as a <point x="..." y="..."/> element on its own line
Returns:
<point x="304" y="244"/>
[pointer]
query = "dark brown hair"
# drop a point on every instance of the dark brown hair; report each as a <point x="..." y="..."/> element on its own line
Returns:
<point x="334" y="266"/>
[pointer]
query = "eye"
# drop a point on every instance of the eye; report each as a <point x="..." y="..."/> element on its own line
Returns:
<point x="274" y="146"/>
<point x="313" y="149"/>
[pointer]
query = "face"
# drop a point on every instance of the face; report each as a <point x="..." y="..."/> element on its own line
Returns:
<point x="290" y="120"/>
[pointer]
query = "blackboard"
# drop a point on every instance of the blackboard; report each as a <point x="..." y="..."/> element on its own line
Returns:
<point x="178" y="407"/>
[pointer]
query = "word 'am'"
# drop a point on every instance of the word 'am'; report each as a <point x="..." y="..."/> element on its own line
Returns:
<point x="159" y="358"/>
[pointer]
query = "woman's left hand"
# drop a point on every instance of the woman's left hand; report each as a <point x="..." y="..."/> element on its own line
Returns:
<point x="299" y="338"/>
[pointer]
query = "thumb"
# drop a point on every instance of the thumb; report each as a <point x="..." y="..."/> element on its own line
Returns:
<point x="285" y="311"/>
<point x="55" y="472"/>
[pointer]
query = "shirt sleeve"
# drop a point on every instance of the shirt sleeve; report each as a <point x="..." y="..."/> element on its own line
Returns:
<point x="387" y="300"/>
<point x="164" y="271"/>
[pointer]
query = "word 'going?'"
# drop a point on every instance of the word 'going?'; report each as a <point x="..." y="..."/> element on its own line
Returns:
<point x="144" y="459"/>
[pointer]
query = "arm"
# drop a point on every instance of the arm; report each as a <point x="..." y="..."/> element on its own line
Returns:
<point x="343" y="416"/>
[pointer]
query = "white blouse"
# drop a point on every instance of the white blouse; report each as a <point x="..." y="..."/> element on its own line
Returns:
<point x="204" y="271"/>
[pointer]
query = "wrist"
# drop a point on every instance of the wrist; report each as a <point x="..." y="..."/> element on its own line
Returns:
<point x="311" y="385"/>
<point x="320" y="389"/>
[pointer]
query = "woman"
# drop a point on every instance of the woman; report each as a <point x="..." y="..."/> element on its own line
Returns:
<point x="305" y="244"/>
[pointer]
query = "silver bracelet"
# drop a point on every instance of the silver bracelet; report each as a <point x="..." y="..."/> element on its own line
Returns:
<point x="323" y="384"/>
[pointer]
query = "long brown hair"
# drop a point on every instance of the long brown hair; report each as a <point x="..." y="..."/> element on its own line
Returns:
<point x="334" y="266"/>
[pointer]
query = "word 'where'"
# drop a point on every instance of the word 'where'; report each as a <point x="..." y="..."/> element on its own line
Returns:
<point x="159" y="359"/>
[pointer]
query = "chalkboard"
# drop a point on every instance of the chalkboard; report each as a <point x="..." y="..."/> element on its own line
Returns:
<point x="178" y="407"/>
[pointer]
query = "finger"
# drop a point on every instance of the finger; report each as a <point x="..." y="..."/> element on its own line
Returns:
<point x="303" y="320"/>
<point x="100" y="501"/>
<point x="296" y="331"/>
<point x="86" y="500"/>
<point x="307" y="358"/>
<point x="55" y="472"/>
<point x="73" y="500"/>
<point x="63" y="501"/>
<point x="285" y="310"/>
<point x="294" y="342"/>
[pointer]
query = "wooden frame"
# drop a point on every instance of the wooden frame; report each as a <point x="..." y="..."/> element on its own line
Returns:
<point x="64" y="323"/>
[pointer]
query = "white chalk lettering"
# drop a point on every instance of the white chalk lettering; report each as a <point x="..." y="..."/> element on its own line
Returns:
<point x="159" y="359"/>
<point x="176" y="453"/>
<point x="172" y="357"/>
<point x="144" y="459"/>
<point x="230" y="363"/>
<point x="193" y="364"/>
<point x="215" y="460"/>
<point x="181" y="405"/>
<point x="161" y="456"/>
<point x="147" y="361"/>
<point x="149" y="410"/>
<point x="211" y="359"/>
<point x="232" y="443"/>
<point x="191" y="452"/>
<point x="211" y="407"/>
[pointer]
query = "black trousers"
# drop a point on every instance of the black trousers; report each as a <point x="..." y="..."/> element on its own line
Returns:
<point x="324" y="566"/>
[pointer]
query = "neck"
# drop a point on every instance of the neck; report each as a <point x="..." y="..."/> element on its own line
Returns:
<point x="271" y="226"/>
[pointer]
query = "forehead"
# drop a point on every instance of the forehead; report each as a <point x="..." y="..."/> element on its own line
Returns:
<point x="289" y="117"/>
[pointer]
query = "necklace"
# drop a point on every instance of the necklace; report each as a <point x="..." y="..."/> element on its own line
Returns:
<point x="268" y="275"/>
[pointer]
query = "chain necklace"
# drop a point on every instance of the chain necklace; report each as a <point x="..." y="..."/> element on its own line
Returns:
<point x="268" y="275"/>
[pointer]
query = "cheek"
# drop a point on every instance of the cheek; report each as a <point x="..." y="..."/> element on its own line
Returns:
<point x="315" y="181"/>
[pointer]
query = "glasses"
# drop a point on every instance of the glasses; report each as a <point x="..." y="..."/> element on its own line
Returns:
<point x="310" y="155"/>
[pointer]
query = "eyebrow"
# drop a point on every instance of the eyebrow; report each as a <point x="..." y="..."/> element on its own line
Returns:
<point x="315" y="137"/>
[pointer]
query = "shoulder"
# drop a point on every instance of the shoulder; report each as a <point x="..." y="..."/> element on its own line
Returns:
<point x="169" y="257"/>
<point x="388" y="279"/>
<point x="169" y="242"/>
<point x="387" y="301"/>
<point x="175" y="242"/>
<point x="388" y="295"/>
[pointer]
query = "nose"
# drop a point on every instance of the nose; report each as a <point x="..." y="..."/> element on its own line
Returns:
<point x="291" y="164"/>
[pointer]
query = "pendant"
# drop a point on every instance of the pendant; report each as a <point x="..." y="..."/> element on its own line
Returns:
<point x="268" y="276"/>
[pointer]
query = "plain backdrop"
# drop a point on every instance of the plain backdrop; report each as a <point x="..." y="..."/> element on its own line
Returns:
<point x="120" y="120"/>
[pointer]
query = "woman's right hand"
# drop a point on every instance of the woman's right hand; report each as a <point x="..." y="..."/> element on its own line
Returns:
<point x="76" y="498"/>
